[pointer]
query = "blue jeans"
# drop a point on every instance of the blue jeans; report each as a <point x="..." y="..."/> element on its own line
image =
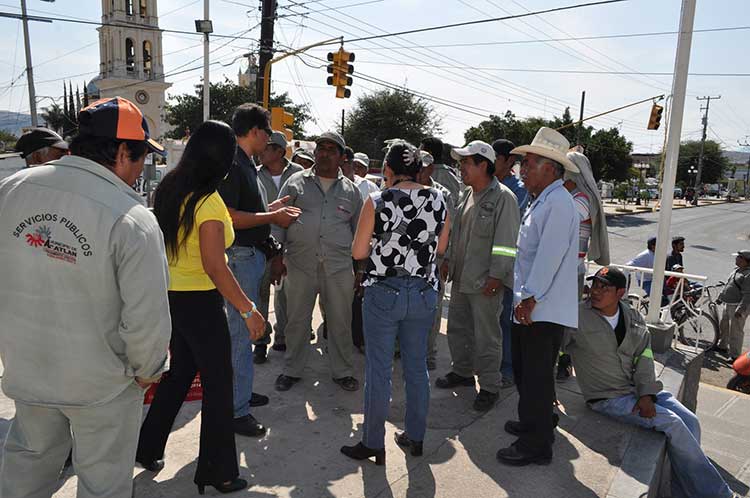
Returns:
<point x="506" y="367"/>
<point x="693" y="474"/>
<point x="403" y="308"/>
<point x="248" y="265"/>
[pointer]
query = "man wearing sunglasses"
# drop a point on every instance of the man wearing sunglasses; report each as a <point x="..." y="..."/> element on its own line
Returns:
<point x="614" y="366"/>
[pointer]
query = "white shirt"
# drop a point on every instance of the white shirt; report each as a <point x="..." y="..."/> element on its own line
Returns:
<point x="277" y="180"/>
<point x="644" y="259"/>
<point x="613" y="319"/>
<point x="365" y="186"/>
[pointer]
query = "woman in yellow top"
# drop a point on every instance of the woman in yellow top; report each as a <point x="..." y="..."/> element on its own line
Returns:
<point x="197" y="229"/>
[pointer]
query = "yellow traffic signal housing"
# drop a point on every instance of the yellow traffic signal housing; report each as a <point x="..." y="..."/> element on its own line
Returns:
<point x="340" y="71"/>
<point x="282" y="121"/>
<point x="654" y="119"/>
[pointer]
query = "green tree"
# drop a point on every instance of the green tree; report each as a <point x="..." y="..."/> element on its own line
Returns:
<point x="518" y="131"/>
<point x="714" y="162"/>
<point x="54" y="117"/>
<point x="186" y="110"/>
<point x="8" y="140"/>
<point x="386" y="114"/>
<point x="609" y="154"/>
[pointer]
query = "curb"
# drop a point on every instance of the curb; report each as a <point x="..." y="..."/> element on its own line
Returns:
<point x="637" y="211"/>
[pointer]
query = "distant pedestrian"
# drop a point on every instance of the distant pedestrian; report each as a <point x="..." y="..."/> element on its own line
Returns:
<point x="41" y="145"/>
<point x="545" y="293"/>
<point x="402" y="232"/>
<point x="611" y="334"/>
<point x="736" y="299"/>
<point x="303" y="158"/>
<point x="274" y="171"/>
<point x="645" y="259"/>
<point x="361" y="165"/>
<point x="442" y="173"/>
<point x="424" y="177"/>
<point x="675" y="257"/>
<point x="318" y="260"/>
<point x="197" y="228"/>
<point x="84" y="310"/>
<point x="480" y="265"/>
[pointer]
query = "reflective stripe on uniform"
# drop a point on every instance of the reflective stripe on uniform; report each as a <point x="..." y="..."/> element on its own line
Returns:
<point x="504" y="251"/>
<point x="647" y="353"/>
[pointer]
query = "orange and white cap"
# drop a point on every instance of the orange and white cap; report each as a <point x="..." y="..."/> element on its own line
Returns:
<point x="117" y="118"/>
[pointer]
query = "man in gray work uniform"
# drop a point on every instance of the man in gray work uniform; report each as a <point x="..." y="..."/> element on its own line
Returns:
<point x="440" y="172"/>
<point x="83" y="306"/>
<point x="274" y="171"/>
<point x="480" y="263"/>
<point x="318" y="259"/>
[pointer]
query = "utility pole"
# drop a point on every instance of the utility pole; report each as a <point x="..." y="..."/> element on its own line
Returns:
<point x="342" y="122"/>
<point x="268" y="16"/>
<point x="580" y="119"/>
<point x="703" y="139"/>
<point x="747" y="171"/>
<point x="206" y="78"/>
<point x="29" y="68"/>
<point x="676" y="111"/>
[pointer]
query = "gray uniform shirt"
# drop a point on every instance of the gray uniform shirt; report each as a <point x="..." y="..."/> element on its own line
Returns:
<point x="737" y="290"/>
<point x="445" y="177"/>
<point x="83" y="300"/>
<point x="325" y="230"/>
<point x="489" y="244"/>
<point x="266" y="179"/>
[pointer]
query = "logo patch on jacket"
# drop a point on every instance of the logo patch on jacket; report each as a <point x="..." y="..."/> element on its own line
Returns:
<point x="43" y="231"/>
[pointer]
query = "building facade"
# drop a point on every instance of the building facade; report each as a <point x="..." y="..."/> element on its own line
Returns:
<point x="131" y="63"/>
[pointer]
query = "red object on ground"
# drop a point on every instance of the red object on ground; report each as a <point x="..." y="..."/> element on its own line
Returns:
<point x="742" y="364"/>
<point x="195" y="393"/>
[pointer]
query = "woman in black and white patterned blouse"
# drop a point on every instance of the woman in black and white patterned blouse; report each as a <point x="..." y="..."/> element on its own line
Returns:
<point x="401" y="231"/>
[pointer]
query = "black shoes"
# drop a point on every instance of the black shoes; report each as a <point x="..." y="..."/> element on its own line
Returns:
<point x="362" y="452"/>
<point x="260" y="355"/>
<point x="248" y="426"/>
<point x="515" y="457"/>
<point x="150" y="465"/>
<point x="258" y="400"/>
<point x="285" y="382"/>
<point x="454" y="380"/>
<point x="415" y="447"/>
<point x="231" y="487"/>
<point x="279" y="347"/>
<point x="485" y="400"/>
<point x="347" y="383"/>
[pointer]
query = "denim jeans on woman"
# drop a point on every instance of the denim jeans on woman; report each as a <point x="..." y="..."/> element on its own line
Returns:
<point x="403" y="308"/>
<point x="693" y="475"/>
<point x="248" y="265"/>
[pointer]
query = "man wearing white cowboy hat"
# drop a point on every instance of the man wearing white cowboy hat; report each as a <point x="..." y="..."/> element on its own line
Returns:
<point x="479" y="261"/>
<point x="545" y="293"/>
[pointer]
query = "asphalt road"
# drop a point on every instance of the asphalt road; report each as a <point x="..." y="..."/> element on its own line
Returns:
<point x="712" y="234"/>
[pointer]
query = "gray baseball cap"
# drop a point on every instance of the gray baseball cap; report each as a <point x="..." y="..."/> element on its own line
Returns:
<point x="361" y="158"/>
<point x="332" y="136"/>
<point x="744" y="253"/>
<point x="303" y="154"/>
<point x="277" y="138"/>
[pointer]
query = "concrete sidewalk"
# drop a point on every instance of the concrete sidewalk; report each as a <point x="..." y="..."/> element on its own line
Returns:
<point x="299" y="457"/>
<point x="615" y="208"/>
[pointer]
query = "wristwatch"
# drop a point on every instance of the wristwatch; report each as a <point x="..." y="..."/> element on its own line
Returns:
<point x="247" y="314"/>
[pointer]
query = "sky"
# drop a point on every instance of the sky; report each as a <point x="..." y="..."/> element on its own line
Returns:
<point x="475" y="70"/>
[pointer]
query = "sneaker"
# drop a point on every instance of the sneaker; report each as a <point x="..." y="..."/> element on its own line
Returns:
<point x="248" y="426"/>
<point x="347" y="383"/>
<point x="258" y="400"/>
<point x="485" y="400"/>
<point x="454" y="380"/>
<point x="260" y="354"/>
<point x="285" y="382"/>
<point x="279" y="347"/>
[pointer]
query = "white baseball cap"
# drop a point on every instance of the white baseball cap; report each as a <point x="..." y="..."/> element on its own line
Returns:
<point x="476" y="147"/>
<point x="427" y="158"/>
<point x="361" y="158"/>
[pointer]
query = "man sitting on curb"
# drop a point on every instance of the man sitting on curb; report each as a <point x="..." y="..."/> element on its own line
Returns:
<point x="614" y="365"/>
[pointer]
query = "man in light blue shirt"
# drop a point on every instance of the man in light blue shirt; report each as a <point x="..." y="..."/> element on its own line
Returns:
<point x="645" y="259"/>
<point x="545" y="287"/>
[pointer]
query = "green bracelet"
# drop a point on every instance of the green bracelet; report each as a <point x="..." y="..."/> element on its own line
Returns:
<point x="247" y="314"/>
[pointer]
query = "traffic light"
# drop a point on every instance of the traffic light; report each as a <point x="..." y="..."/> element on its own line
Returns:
<point x="340" y="71"/>
<point x="655" y="119"/>
<point x="282" y="121"/>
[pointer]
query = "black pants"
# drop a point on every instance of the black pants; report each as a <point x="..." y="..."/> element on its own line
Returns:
<point x="200" y="342"/>
<point x="535" y="349"/>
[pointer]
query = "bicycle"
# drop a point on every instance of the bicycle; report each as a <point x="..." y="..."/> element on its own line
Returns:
<point x="694" y="312"/>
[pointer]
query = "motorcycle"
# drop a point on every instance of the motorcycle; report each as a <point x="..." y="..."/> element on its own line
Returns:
<point x="741" y="381"/>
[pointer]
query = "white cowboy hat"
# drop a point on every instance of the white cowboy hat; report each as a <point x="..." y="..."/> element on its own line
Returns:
<point x="550" y="144"/>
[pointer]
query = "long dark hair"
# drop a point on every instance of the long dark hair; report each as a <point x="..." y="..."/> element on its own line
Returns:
<point x="204" y="164"/>
<point x="397" y="156"/>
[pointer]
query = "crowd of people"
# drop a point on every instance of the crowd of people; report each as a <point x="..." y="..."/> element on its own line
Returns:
<point x="116" y="286"/>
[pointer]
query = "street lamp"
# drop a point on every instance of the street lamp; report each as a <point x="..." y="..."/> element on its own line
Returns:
<point x="693" y="171"/>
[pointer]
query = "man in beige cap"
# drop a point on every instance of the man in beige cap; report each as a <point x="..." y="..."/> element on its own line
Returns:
<point x="274" y="171"/>
<point x="736" y="299"/>
<point x="545" y="285"/>
<point x="480" y="263"/>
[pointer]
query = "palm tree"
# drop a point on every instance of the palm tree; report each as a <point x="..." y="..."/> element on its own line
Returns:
<point x="55" y="117"/>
